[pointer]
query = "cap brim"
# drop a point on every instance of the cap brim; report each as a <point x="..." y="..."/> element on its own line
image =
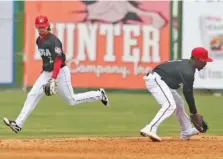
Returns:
<point x="41" y="25"/>
<point x="208" y="60"/>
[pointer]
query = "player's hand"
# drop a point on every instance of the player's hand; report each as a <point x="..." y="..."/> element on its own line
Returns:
<point x="50" y="87"/>
<point x="199" y="122"/>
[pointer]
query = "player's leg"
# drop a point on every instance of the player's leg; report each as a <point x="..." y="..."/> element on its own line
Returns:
<point x="33" y="97"/>
<point x="163" y="96"/>
<point x="187" y="129"/>
<point x="65" y="90"/>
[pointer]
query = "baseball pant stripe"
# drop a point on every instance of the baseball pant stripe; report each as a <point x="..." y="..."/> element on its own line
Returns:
<point x="167" y="107"/>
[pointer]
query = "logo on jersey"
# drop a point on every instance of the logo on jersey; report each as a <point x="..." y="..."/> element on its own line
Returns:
<point x="58" y="50"/>
<point x="44" y="52"/>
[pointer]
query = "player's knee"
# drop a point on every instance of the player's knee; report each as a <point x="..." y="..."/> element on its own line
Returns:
<point x="172" y="105"/>
<point x="72" y="102"/>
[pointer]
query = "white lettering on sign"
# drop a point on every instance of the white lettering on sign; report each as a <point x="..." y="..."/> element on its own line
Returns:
<point x="108" y="31"/>
<point x="60" y="30"/>
<point x="87" y="40"/>
<point x="151" y="44"/>
<point x="98" y="69"/>
<point x="70" y="41"/>
<point x="138" y="44"/>
<point x="130" y="55"/>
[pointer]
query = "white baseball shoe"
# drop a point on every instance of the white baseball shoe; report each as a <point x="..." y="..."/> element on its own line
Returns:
<point x="12" y="125"/>
<point x="153" y="136"/>
<point x="194" y="131"/>
<point x="104" y="100"/>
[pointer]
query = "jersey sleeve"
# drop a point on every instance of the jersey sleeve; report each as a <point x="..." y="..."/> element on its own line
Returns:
<point x="188" y="81"/>
<point x="56" y="67"/>
<point x="58" y="48"/>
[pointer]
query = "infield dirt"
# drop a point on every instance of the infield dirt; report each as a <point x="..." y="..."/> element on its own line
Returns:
<point x="116" y="148"/>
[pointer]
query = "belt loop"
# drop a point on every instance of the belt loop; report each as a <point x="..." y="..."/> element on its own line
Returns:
<point x="150" y="72"/>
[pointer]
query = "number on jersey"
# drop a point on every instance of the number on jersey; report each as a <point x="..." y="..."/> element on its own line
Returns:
<point x="50" y="59"/>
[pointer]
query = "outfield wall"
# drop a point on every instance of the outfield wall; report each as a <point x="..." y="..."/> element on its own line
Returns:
<point x="174" y="51"/>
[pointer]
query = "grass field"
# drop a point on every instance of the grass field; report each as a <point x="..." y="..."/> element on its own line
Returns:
<point x="126" y="116"/>
<point x="93" y="131"/>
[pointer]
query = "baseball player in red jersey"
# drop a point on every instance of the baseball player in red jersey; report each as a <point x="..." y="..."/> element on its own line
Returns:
<point x="55" y="77"/>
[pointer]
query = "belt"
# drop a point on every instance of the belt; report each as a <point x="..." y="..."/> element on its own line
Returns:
<point x="146" y="75"/>
<point x="153" y="73"/>
<point x="52" y="70"/>
<point x="149" y="73"/>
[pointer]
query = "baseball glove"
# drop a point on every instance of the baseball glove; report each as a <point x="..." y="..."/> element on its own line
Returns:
<point x="199" y="123"/>
<point x="50" y="87"/>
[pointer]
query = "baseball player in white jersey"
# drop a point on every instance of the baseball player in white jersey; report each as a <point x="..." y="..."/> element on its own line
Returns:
<point x="55" y="77"/>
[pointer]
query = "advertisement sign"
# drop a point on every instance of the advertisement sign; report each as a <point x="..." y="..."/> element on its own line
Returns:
<point x="108" y="44"/>
<point x="7" y="22"/>
<point x="203" y="26"/>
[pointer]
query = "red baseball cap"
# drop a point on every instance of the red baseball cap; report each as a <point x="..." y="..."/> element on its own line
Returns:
<point x="201" y="54"/>
<point x="41" y="21"/>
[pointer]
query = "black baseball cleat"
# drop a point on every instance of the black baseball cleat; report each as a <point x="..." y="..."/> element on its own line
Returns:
<point x="12" y="125"/>
<point x="104" y="100"/>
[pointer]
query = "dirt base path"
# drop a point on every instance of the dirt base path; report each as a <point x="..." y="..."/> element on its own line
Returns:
<point x="115" y="148"/>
